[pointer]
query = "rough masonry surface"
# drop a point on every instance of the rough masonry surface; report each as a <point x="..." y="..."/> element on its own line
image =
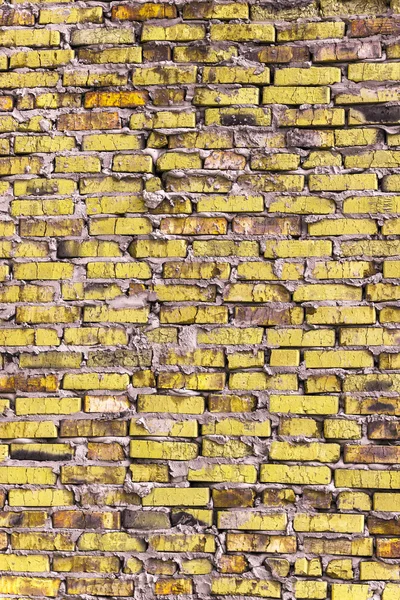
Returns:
<point x="199" y="299"/>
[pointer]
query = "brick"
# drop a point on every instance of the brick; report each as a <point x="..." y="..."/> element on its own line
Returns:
<point x="295" y="95"/>
<point x="85" y="37"/>
<point x="243" y="32"/>
<point x="311" y="76"/>
<point x="295" y="474"/>
<point x="34" y="586"/>
<point x="246" y="587"/>
<point x="175" y="33"/>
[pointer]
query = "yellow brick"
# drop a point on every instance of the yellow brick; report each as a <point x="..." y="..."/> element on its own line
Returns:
<point x="28" y="429"/>
<point x="196" y="566"/>
<point x="311" y="76"/>
<point x="166" y="75"/>
<point x="228" y="586"/>
<point x="342" y="429"/>
<point x="264" y="270"/>
<point x="181" y="32"/>
<point x="291" y="94"/>
<point x="30" y="586"/>
<point x="310" y="568"/>
<point x="386" y="502"/>
<point x="225" y="248"/>
<point x="298" y="248"/>
<point x="312" y="117"/>
<point x="356" y="137"/>
<point x="343" y="270"/>
<point x="28" y="80"/>
<point x="43" y="143"/>
<point x="177" y="496"/>
<point x="164" y="450"/>
<point x="120" y="226"/>
<point x="301" y="475"/>
<point x="351" y="591"/>
<point x="40" y="497"/>
<point x="166" y="428"/>
<point x="32" y="563"/>
<point x="109" y="142"/>
<point x="95" y="36"/>
<point x="357" y="478"/>
<point x="243" y="32"/>
<point x="243" y="75"/>
<point x="270" y="12"/>
<point x="390" y="592"/>
<point x="330" y="523"/>
<point x="374" y="72"/>
<point x="77" y="164"/>
<point x="109" y="185"/>
<point x="27" y="475"/>
<point x="53" y="314"/>
<point x="165" y="587"/>
<point x="261" y="381"/>
<point x="171" y="404"/>
<point x="358" y="547"/>
<point x="276" y="162"/>
<point x="331" y="8"/>
<point x="391" y="183"/>
<point x="284" y="358"/>
<point x="311" y="31"/>
<point x="313" y="405"/>
<point x="47" y="406"/>
<point x="379" y="571"/>
<point x="342" y="359"/>
<point x="243" y="360"/>
<point x="330" y="315"/>
<point x="311" y="589"/>
<point x="31" y="187"/>
<point x="177" y="542"/>
<point x="114" y="204"/>
<point x="235" y="427"/>
<point x="238" y="116"/>
<point x="366" y="181"/>
<point x="304" y="452"/>
<point x="91" y="564"/>
<point x="41" y="208"/>
<point x="71" y="15"/>
<point x="298" y="337"/>
<point x="117" y="55"/>
<point x="322" y="159"/>
<point x="93" y="474"/>
<point x="43" y="270"/>
<point x="92" y="381"/>
<point x="207" y="97"/>
<point x="353" y="501"/>
<point x="41" y="58"/>
<point x="391" y="227"/>
<point x="231" y="449"/>
<point x="24" y="37"/>
<point x="224" y="472"/>
<point x="117" y="541"/>
<point x="343" y="227"/>
<point x="325" y="291"/>
<point x="228" y="11"/>
<point x="104" y="270"/>
<point x="153" y="472"/>
<point x="376" y="159"/>
<point x="196" y="270"/>
<point x="179" y="160"/>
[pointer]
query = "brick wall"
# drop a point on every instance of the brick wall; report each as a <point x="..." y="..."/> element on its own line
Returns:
<point x="199" y="305"/>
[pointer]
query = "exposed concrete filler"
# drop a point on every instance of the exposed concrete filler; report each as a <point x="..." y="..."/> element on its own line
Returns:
<point x="200" y="300"/>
